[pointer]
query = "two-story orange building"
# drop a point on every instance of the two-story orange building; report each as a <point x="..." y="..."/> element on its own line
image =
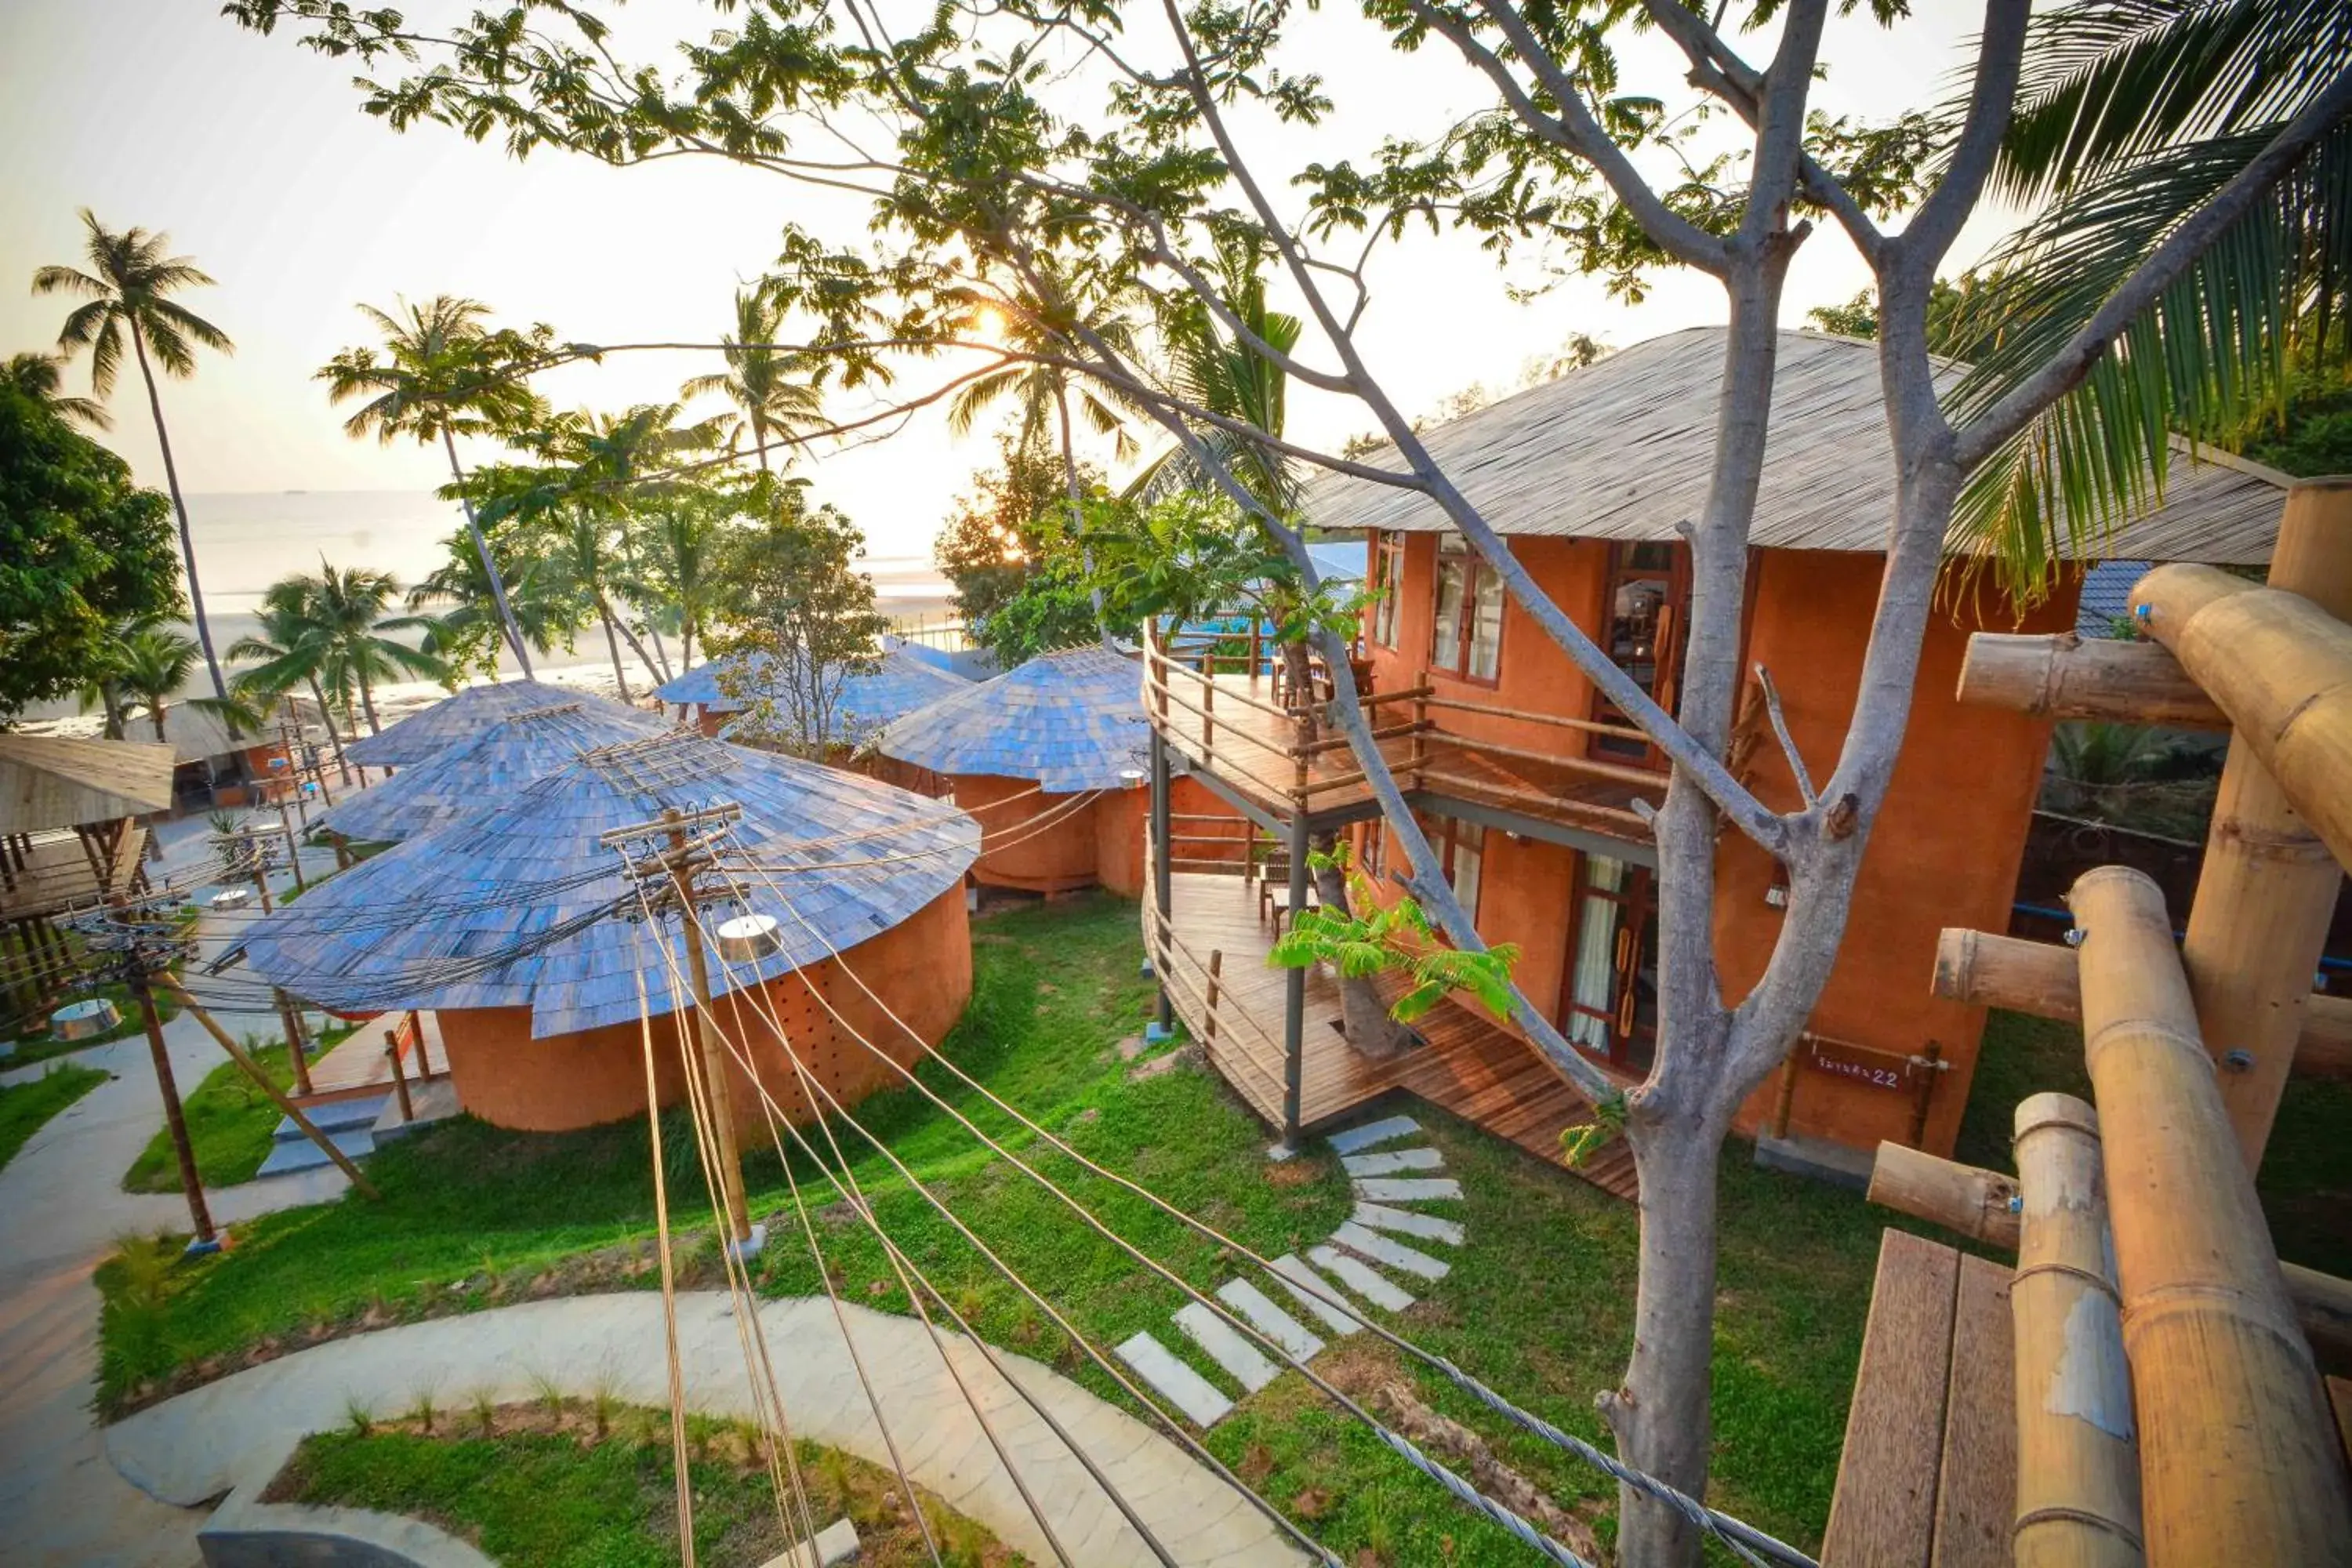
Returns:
<point x="1535" y="793"/>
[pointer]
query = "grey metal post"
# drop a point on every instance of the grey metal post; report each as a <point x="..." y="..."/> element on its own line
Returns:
<point x="1161" y="850"/>
<point x="1294" y="991"/>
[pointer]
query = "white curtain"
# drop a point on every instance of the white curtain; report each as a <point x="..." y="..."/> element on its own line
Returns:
<point x="1596" y="951"/>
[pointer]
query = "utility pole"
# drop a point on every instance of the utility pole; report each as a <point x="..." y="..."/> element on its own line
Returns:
<point x="677" y="867"/>
<point x="141" y="952"/>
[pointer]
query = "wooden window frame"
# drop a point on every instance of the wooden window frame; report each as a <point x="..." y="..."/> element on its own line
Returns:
<point x="1442" y="833"/>
<point x="1480" y="579"/>
<point x="1388" y="573"/>
<point x="1638" y="899"/>
<point x="1665" y="680"/>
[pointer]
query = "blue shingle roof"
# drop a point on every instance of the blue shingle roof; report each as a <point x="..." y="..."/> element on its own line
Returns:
<point x="854" y="856"/>
<point x="468" y="774"/>
<point x="2106" y="596"/>
<point x="1072" y="721"/>
<point x="453" y="719"/>
<point x="899" y="684"/>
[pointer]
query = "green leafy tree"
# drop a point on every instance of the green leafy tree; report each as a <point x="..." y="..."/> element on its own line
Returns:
<point x="290" y="649"/>
<point x="128" y="287"/>
<point x="442" y="373"/>
<point x="81" y="549"/>
<point x="774" y="391"/>
<point x="997" y="538"/>
<point x="801" y="622"/>
<point x="459" y="607"/>
<point x="336" y="620"/>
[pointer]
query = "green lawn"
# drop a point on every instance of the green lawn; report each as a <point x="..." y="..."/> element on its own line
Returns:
<point x="230" y="1122"/>
<point x="2305" y="1183"/>
<point x="25" y="1107"/>
<point x="1538" y="1303"/>
<point x="569" y="1484"/>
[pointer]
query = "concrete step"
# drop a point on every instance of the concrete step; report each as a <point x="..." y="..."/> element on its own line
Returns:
<point x="1372" y="1132"/>
<point x="1408" y="1222"/>
<point x="1378" y="1249"/>
<point x="1269" y="1319"/>
<point x="1390" y="1162"/>
<point x="1372" y="1287"/>
<point x="1317" y="1294"/>
<point x="301" y="1154"/>
<point x="435" y="1099"/>
<point x="1227" y="1346"/>
<point x="1187" y="1390"/>
<point x="333" y="1116"/>
<point x="1406" y="1189"/>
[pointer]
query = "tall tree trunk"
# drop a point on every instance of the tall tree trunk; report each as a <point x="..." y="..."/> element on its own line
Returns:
<point x="110" y="699"/>
<point x="1660" y="1413"/>
<point x="155" y="716"/>
<point x="334" y="730"/>
<point x="482" y="548"/>
<point x="1363" y="1017"/>
<point x="612" y="645"/>
<point x="367" y="702"/>
<point x="180" y="506"/>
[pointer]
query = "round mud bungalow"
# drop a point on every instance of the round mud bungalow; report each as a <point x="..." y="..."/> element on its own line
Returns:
<point x="518" y="926"/>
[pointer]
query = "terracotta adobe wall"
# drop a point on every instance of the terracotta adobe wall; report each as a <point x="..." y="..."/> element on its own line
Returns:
<point x="920" y="968"/>
<point x="1016" y="852"/>
<point x="1946" y="850"/>
<point x="1123" y="817"/>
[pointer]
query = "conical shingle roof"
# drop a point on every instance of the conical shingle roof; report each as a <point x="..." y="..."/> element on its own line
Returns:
<point x="899" y="684"/>
<point x="488" y="766"/>
<point x="431" y="729"/>
<point x="517" y="904"/>
<point x="1072" y="721"/>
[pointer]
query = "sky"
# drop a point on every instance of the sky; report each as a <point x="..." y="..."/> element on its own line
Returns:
<point x="253" y="156"/>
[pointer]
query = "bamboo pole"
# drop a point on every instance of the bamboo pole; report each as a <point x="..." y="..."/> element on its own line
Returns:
<point x="2038" y="978"/>
<point x="2237" y="1462"/>
<point x="2059" y="675"/>
<point x="1979" y="1203"/>
<point x="2078" y="1466"/>
<point x="252" y="1069"/>
<point x="2268" y="888"/>
<point x="399" y="1075"/>
<point x="715" y="1087"/>
<point x="192" y="1186"/>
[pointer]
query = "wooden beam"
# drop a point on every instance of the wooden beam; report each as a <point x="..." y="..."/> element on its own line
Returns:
<point x="2239" y="1463"/>
<point x="1884" y="1509"/>
<point x="1981" y="1205"/>
<point x="2038" y="978"/>
<point x="2078" y="1465"/>
<point x="2267" y="891"/>
<point x="2059" y="675"/>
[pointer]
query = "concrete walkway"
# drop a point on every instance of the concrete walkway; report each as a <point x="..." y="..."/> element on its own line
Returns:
<point x="62" y="1207"/>
<point x="240" y="1429"/>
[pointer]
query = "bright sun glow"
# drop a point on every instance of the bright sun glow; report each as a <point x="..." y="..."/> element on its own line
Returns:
<point x="988" y="323"/>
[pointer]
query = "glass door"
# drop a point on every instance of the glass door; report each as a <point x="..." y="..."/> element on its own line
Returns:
<point x="1609" y="1005"/>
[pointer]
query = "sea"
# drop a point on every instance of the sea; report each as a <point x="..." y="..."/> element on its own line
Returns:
<point x="246" y="541"/>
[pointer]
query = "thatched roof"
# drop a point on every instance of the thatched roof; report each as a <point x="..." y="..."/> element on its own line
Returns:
<point x="48" y="780"/>
<point x="899" y="684"/>
<point x="1622" y="449"/>
<point x="437" y="921"/>
<point x="1072" y="721"/>
<point x="491" y="766"/>
<point x="469" y="712"/>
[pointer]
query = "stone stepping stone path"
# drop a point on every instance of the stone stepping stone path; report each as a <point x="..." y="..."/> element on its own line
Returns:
<point x="1334" y="1289"/>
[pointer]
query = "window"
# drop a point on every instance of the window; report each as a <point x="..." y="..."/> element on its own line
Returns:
<point x="1466" y="625"/>
<point x="1375" y="850"/>
<point x="1644" y="619"/>
<point x="1609" y="1007"/>
<point x="1388" y="579"/>
<point x="1461" y="848"/>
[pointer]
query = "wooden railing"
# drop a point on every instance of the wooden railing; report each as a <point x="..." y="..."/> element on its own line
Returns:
<point x="1180" y="671"/>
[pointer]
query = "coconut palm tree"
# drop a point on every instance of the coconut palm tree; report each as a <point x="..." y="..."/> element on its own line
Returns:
<point x="131" y="275"/>
<point x="291" y="648"/>
<point x="443" y="374"/>
<point x="2128" y="117"/>
<point x="335" y="621"/>
<point x="41" y="377"/>
<point x="1046" y="396"/>
<point x="153" y="662"/>
<point x="759" y="380"/>
<point x="1212" y="369"/>
<point x="472" y="622"/>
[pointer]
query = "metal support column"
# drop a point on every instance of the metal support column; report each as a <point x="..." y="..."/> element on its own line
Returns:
<point x="1293" y="993"/>
<point x="1160" y="871"/>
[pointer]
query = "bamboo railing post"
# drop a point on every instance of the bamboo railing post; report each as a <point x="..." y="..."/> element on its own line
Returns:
<point x="2268" y="888"/>
<point x="252" y="1069"/>
<point x="2059" y="675"/>
<point x="1420" y="724"/>
<point x="423" y="1057"/>
<point x="2238" y="1463"/>
<point x="2078" y="1466"/>
<point x="1784" y="1099"/>
<point x="1216" y="989"/>
<point x="399" y="1075"/>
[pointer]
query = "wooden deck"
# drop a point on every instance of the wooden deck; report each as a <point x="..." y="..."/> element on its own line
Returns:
<point x="1930" y="1473"/>
<point x="1227" y="725"/>
<point x="1470" y="1066"/>
<point x="358" y="1066"/>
